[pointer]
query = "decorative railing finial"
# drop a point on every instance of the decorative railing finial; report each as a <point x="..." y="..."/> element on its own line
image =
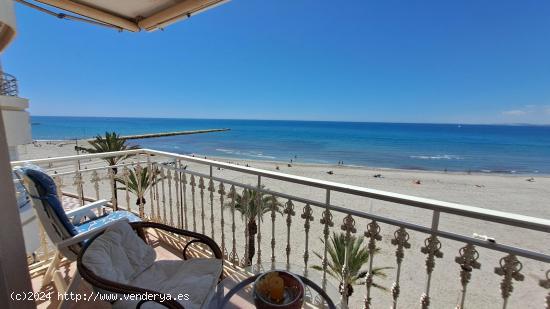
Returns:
<point x="467" y="260"/>
<point x="510" y="268"/>
<point x="546" y="284"/>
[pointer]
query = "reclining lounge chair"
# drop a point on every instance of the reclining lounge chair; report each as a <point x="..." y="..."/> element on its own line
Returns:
<point x="66" y="230"/>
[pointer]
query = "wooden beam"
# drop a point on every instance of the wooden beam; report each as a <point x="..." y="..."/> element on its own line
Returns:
<point x="93" y="13"/>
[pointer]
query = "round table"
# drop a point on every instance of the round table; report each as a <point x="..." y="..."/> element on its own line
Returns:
<point x="243" y="291"/>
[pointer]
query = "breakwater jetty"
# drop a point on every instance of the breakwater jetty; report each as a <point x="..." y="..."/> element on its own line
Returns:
<point x="152" y="135"/>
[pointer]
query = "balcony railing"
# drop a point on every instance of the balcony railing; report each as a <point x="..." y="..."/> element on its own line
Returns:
<point x="8" y="85"/>
<point x="417" y="237"/>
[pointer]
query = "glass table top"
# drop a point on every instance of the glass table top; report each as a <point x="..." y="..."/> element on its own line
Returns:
<point x="243" y="296"/>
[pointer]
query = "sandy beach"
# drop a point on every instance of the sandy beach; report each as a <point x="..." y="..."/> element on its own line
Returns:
<point x="521" y="194"/>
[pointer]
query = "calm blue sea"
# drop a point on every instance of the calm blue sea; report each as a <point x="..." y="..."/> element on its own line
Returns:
<point x="481" y="148"/>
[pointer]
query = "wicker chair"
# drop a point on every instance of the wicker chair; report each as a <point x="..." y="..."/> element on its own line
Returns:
<point x="155" y="292"/>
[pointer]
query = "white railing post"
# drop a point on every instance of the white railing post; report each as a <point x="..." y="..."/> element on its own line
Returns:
<point x="138" y="172"/>
<point x="193" y="185"/>
<point x="348" y="227"/>
<point x="233" y="256"/>
<point x="545" y="283"/>
<point x="245" y="205"/>
<point x="221" y="191"/>
<point x="307" y="215"/>
<point x="432" y="247"/>
<point x="177" y="191"/>
<point x="125" y="177"/>
<point x="373" y="234"/>
<point x="273" y="216"/>
<point x="184" y="198"/>
<point x="467" y="260"/>
<point x="152" y="181"/>
<point x="510" y="269"/>
<point x="78" y="183"/>
<point x="211" y="190"/>
<point x="111" y="175"/>
<point x="259" y="209"/>
<point x="401" y="240"/>
<point x="289" y="211"/>
<point x="59" y="186"/>
<point x="95" y="179"/>
<point x="170" y="200"/>
<point x="202" y="187"/>
<point x="326" y="220"/>
<point x="158" y="170"/>
<point x="162" y="185"/>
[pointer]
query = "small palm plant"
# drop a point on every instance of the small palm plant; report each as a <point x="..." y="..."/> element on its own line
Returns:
<point x="138" y="182"/>
<point x="358" y="257"/>
<point x="109" y="143"/>
<point x="247" y="205"/>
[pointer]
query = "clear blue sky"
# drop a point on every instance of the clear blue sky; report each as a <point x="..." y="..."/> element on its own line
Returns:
<point x="405" y="61"/>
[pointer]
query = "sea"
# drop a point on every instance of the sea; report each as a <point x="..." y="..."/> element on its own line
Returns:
<point x="510" y="149"/>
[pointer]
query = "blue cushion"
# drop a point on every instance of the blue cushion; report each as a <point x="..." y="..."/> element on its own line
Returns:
<point x="48" y="194"/>
<point x="100" y="221"/>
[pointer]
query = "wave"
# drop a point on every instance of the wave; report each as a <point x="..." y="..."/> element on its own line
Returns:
<point x="253" y="154"/>
<point x="438" y="157"/>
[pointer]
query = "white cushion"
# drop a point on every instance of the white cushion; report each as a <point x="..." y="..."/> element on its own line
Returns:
<point x="119" y="254"/>
<point x="196" y="277"/>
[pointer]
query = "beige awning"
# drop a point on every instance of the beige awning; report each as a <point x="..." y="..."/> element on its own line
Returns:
<point x="131" y="15"/>
<point x="7" y="23"/>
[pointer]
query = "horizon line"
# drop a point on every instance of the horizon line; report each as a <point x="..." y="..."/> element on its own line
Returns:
<point x="303" y="120"/>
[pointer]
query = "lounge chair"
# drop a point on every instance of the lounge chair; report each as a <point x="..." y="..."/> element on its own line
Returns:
<point x="122" y="267"/>
<point x="66" y="230"/>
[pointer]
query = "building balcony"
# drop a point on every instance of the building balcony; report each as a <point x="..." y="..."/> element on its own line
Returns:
<point x="14" y="113"/>
<point x="8" y="85"/>
<point x="432" y="253"/>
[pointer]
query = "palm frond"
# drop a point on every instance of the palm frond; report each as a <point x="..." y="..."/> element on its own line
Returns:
<point x="247" y="204"/>
<point x="358" y="256"/>
<point x="138" y="182"/>
<point x="108" y="143"/>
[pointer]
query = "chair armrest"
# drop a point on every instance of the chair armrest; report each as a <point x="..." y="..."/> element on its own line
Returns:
<point x="85" y="210"/>
<point x="86" y="235"/>
<point x="198" y="237"/>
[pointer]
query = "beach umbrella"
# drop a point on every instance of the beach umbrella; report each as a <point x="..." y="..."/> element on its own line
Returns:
<point x="130" y="15"/>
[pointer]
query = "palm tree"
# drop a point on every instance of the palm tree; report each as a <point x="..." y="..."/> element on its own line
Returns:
<point x="358" y="256"/>
<point x="139" y="182"/>
<point x="108" y="143"/>
<point x="247" y="205"/>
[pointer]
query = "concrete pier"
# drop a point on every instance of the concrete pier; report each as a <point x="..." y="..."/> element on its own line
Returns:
<point x="151" y="135"/>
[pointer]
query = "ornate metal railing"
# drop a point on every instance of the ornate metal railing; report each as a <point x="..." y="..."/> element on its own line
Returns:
<point x="409" y="233"/>
<point x="8" y="85"/>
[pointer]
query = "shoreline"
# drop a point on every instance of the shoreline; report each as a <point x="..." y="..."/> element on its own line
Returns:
<point x="63" y="142"/>
<point x="374" y="168"/>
